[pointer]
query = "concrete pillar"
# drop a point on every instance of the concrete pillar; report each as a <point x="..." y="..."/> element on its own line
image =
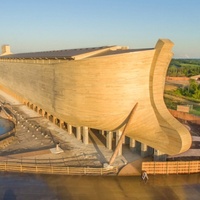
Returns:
<point x="43" y="112"/>
<point x="118" y="135"/>
<point x="159" y="156"/>
<point x="101" y="132"/>
<point x="61" y="123"/>
<point x="54" y="120"/>
<point x="144" y="150"/>
<point x="78" y="133"/>
<point x="69" y="129"/>
<point x="39" y="110"/>
<point x="124" y="139"/>
<point x="109" y="137"/>
<point x="132" y="145"/>
<point x="48" y="115"/>
<point x="65" y="125"/>
<point x="85" y="135"/>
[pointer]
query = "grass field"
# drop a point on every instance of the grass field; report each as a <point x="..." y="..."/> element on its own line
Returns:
<point x="172" y="101"/>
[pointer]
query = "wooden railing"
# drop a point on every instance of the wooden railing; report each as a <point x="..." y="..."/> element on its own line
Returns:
<point x="171" y="167"/>
<point x="17" y="166"/>
<point x="185" y="116"/>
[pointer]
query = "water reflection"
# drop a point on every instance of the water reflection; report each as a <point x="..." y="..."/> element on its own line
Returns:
<point x="9" y="195"/>
<point x="21" y="186"/>
<point x="6" y="125"/>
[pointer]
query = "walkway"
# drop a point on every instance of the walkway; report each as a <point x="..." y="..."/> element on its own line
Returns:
<point x="35" y="136"/>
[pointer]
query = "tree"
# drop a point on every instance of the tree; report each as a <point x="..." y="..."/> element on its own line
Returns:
<point x="193" y="86"/>
<point x="196" y="95"/>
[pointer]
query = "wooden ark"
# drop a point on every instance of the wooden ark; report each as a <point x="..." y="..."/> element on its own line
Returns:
<point x="98" y="88"/>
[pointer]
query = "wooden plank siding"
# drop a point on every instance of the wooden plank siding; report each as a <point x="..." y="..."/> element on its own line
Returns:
<point x="100" y="91"/>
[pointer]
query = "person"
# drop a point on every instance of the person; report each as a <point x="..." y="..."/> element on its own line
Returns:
<point x="145" y="176"/>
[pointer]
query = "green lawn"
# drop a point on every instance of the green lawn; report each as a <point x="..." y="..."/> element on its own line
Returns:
<point x="172" y="104"/>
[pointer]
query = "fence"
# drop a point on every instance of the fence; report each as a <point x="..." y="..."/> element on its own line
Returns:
<point x="35" y="168"/>
<point x="172" y="167"/>
<point x="185" y="116"/>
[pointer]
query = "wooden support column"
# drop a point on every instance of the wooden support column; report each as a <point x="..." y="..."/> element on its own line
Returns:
<point x="123" y="135"/>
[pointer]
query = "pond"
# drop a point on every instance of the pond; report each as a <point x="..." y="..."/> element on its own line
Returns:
<point x="6" y="126"/>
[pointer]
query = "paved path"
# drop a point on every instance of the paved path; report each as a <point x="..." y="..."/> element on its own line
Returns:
<point x="32" y="142"/>
<point x="36" y="144"/>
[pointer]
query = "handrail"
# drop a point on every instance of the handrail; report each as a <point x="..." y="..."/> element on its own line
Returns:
<point x="172" y="167"/>
<point x="38" y="168"/>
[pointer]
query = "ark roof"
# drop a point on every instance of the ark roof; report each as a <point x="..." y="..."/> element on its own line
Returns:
<point x="71" y="54"/>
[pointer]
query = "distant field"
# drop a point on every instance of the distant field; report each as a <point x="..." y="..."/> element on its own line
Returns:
<point x="181" y="70"/>
<point x="173" y="83"/>
<point x="170" y="87"/>
<point x="184" y="68"/>
<point x="182" y="81"/>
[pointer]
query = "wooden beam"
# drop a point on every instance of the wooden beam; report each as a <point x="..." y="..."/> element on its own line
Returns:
<point x="123" y="135"/>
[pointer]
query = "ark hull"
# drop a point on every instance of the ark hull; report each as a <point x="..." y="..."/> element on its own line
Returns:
<point x="99" y="91"/>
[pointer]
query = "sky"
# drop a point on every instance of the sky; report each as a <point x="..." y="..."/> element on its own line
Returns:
<point x="43" y="25"/>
